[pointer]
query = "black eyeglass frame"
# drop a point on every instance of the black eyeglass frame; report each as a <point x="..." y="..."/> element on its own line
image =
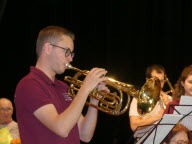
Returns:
<point x="67" y="51"/>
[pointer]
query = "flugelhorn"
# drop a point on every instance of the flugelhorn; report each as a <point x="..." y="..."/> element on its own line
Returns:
<point x="150" y="94"/>
<point x="110" y="103"/>
<point x="117" y="103"/>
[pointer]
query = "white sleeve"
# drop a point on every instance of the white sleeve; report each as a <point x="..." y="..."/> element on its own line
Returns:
<point x="133" y="108"/>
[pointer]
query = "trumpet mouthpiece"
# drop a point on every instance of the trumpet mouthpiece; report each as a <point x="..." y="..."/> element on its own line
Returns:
<point x="69" y="66"/>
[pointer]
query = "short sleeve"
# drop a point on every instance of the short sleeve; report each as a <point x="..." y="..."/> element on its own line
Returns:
<point x="133" y="108"/>
<point x="31" y="95"/>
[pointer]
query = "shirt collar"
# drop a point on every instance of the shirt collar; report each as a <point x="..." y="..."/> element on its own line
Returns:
<point x="42" y="75"/>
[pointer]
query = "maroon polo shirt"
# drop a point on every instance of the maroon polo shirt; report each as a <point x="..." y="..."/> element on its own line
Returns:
<point x="32" y="92"/>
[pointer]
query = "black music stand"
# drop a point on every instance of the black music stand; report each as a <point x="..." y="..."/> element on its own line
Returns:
<point x="160" y="130"/>
<point x="182" y="113"/>
<point x="165" y="125"/>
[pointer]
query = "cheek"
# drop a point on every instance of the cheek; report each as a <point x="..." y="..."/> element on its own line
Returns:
<point x="61" y="57"/>
<point x="11" y="114"/>
<point x="188" y="85"/>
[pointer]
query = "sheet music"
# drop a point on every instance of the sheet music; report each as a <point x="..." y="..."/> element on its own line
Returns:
<point x="140" y="131"/>
<point x="163" y="128"/>
<point x="184" y="110"/>
<point x="186" y="100"/>
<point x="168" y="122"/>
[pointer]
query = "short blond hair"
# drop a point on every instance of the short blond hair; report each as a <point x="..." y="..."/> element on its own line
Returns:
<point x="51" y="34"/>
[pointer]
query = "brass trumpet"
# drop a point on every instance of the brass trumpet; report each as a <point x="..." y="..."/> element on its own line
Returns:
<point x="110" y="103"/>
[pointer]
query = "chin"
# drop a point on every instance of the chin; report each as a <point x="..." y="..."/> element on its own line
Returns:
<point x="61" y="71"/>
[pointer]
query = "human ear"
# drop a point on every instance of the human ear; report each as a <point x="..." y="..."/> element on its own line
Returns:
<point x="47" y="48"/>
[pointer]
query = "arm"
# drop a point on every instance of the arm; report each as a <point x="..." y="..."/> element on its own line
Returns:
<point x="63" y="123"/>
<point x="136" y="121"/>
<point x="87" y="124"/>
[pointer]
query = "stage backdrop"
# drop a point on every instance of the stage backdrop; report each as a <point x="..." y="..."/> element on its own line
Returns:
<point x="123" y="37"/>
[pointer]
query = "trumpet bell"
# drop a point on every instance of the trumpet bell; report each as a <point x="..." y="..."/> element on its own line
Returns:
<point x="148" y="96"/>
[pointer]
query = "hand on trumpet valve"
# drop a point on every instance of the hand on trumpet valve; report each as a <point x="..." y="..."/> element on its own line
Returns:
<point x="93" y="78"/>
<point x="100" y="87"/>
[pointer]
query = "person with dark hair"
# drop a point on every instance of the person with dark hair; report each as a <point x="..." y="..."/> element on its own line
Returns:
<point x="141" y="123"/>
<point x="183" y="87"/>
<point x="178" y="135"/>
<point x="45" y="112"/>
<point x="6" y="121"/>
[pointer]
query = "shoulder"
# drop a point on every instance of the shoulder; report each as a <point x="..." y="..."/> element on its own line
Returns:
<point x="28" y="87"/>
<point x="28" y="82"/>
<point x="13" y="123"/>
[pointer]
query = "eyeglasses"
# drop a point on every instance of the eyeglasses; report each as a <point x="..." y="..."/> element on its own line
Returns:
<point x="180" y="142"/>
<point x="5" y="109"/>
<point x="67" y="51"/>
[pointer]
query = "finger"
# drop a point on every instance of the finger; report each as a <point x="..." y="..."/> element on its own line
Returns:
<point x="99" y="71"/>
<point x="168" y="92"/>
<point x="103" y="87"/>
<point x="102" y="83"/>
<point x="102" y="79"/>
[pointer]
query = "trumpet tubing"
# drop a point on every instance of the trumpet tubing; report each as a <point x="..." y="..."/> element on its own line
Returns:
<point x="169" y="84"/>
<point x="111" y="103"/>
<point x="114" y="103"/>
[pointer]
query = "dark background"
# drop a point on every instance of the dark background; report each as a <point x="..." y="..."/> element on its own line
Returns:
<point x="123" y="37"/>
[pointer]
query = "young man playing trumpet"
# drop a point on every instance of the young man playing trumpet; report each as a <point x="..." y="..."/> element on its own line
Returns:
<point x="45" y="112"/>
